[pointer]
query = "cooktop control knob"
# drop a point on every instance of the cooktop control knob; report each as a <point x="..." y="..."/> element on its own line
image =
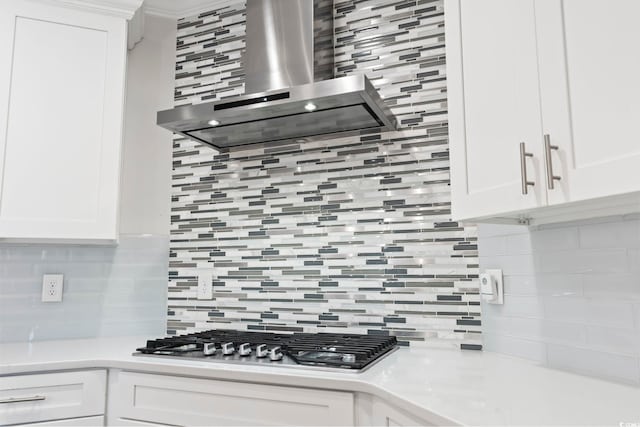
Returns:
<point x="262" y="351"/>
<point x="228" y="348"/>
<point x="349" y="358"/>
<point x="275" y="354"/>
<point x="209" y="349"/>
<point x="245" y="349"/>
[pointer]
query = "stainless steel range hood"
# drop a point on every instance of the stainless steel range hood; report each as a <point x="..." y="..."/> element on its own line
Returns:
<point x="288" y="65"/>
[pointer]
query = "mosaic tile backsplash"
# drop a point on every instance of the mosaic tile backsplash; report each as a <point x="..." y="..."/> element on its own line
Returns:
<point x="351" y="234"/>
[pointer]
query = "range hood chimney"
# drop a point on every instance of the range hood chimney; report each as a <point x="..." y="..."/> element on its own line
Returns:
<point x="292" y="94"/>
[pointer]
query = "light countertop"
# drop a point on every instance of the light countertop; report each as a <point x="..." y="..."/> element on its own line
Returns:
<point x="464" y="387"/>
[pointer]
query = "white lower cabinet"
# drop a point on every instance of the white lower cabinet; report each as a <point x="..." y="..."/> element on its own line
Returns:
<point x="60" y="398"/>
<point x="375" y="411"/>
<point x="388" y="415"/>
<point x="148" y="399"/>
<point x="83" y="398"/>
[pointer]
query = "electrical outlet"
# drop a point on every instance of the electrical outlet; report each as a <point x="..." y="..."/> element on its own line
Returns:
<point x="205" y="284"/>
<point x="492" y="287"/>
<point x="52" y="287"/>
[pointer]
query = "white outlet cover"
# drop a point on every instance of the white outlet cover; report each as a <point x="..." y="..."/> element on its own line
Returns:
<point x="52" y="286"/>
<point x="205" y="284"/>
<point x="495" y="276"/>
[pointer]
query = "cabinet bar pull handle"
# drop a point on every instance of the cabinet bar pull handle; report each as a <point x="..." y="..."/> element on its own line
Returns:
<point x="22" y="399"/>
<point x="547" y="156"/>
<point x="523" y="169"/>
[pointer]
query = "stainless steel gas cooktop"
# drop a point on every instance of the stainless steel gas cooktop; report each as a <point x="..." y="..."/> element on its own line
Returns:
<point x="327" y="351"/>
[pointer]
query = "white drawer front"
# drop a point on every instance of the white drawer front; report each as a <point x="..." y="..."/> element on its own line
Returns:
<point x="44" y="397"/>
<point x="123" y="422"/>
<point x="97" y="421"/>
<point x="187" y="401"/>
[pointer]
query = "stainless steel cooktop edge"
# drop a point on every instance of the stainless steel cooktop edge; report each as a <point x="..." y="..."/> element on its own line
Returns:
<point x="286" y="361"/>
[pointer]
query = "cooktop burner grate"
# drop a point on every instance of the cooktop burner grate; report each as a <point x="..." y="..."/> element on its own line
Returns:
<point x="347" y="351"/>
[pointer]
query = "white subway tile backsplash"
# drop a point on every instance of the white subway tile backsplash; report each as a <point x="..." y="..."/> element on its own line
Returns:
<point x="537" y="329"/>
<point x="518" y="244"/>
<point x="511" y="265"/>
<point x="584" y="261"/>
<point x="12" y="270"/>
<point x="622" y="341"/>
<point x="514" y="346"/>
<point x="614" y="313"/>
<point x="586" y="278"/>
<point x="571" y="309"/>
<point x="30" y="253"/>
<point x="597" y="363"/>
<point x="77" y="270"/>
<point x="561" y="332"/>
<point x="636" y="313"/>
<point x="582" y="222"/>
<point x="633" y="257"/>
<point x="559" y="239"/>
<point x="624" y="285"/>
<point x="559" y="285"/>
<point x="136" y="270"/>
<point x="520" y="285"/>
<point x="589" y="311"/>
<point x="620" y="234"/>
<point x="492" y="230"/>
<point x="518" y="305"/>
<point x="492" y="246"/>
<point x="108" y="290"/>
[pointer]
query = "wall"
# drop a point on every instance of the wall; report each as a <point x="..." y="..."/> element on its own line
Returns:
<point x="146" y="182"/>
<point x="351" y="234"/>
<point x="109" y="290"/>
<point x="572" y="295"/>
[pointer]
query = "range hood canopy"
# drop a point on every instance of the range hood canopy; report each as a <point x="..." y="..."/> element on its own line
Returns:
<point x="289" y="46"/>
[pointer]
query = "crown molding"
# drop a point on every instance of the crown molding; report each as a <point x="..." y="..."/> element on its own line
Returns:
<point x="176" y="9"/>
<point x="120" y="8"/>
<point x="135" y="28"/>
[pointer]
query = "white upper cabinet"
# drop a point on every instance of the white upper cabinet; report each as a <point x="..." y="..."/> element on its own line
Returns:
<point x="590" y="83"/>
<point x="493" y="106"/>
<point x="560" y="77"/>
<point x="62" y="81"/>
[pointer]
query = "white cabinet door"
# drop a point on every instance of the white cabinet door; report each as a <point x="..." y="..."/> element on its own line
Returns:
<point x="62" y="80"/>
<point x="388" y="416"/>
<point x="172" y="400"/>
<point x="589" y="54"/>
<point x="493" y="101"/>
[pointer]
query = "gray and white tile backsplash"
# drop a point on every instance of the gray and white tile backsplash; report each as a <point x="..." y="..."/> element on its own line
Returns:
<point x="108" y="290"/>
<point x="572" y="295"/>
<point x="351" y="234"/>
